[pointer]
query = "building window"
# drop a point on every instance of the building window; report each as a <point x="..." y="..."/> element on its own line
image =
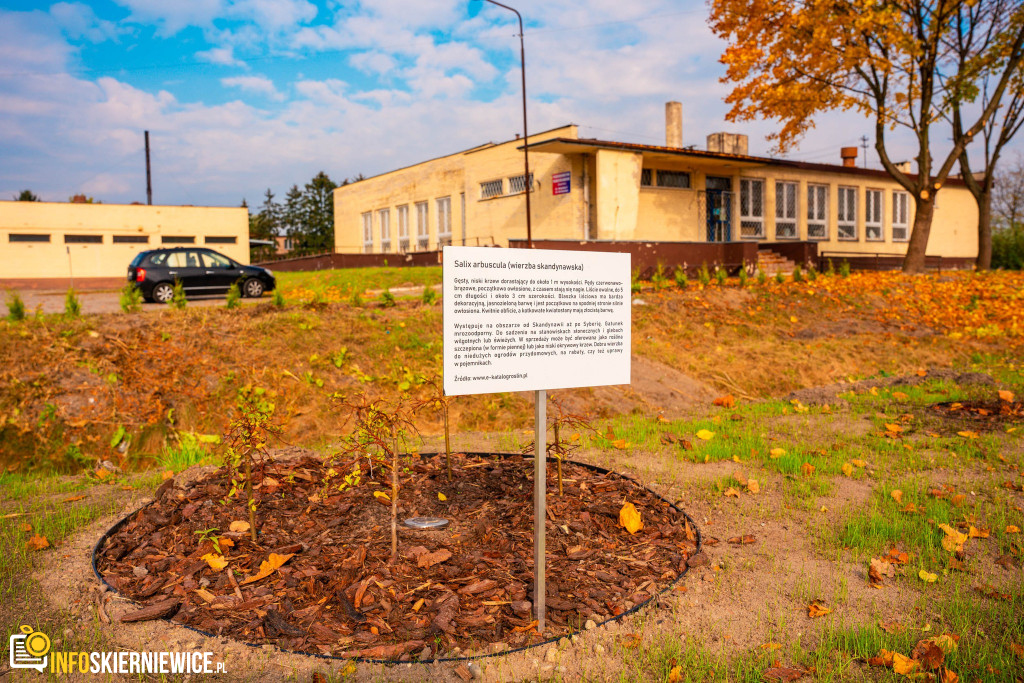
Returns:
<point x="900" y="216"/>
<point x="817" y="212"/>
<point x="517" y="184"/>
<point x="751" y="208"/>
<point x="177" y="239"/>
<point x="873" y="215"/>
<point x="131" y="239"/>
<point x="444" y="221"/>
<point x="384" y="220"/>
<point x="646" y="177"/>
<point x="492" y="188"/>
<point x="677" y="179"/>
<point x="785" y="210"/>
<point x="83" y="239"/>
<point x="221" y="240"/>
<point x="23" y="237"/>
<point x="403" y="228"/>
<point x="847" y="206"/>
<point x="422" y="227"/>
<point x="367" y="233"/>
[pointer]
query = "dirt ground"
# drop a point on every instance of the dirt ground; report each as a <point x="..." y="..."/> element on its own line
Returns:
<point x="740" y="597"/>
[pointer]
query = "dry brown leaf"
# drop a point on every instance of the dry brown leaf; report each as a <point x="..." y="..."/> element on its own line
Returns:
<point x="1006" y="396"/>
<point x="753" y="486"/>
<point x="897" y="495"/>
<point x="899" y="396"/>
<point x="72" y="499"/>
<point x="1011" y="529"/>
<point x="215" y="560"/>
<point x="879" y="569"/>
<point x="629" y="518"/>
<point x="784" y="673"/>
<point x="883" y="658"/>
<point x="890" y="626"/>
<point x="948" y="676"/>
<point x="977" y="533"/>
<point x="807" y="468"/>
<point x="239" y="526"/>
<point x="269" y="566"/>
<point x="675" y="675"/>
<point x="858" y="463"/>
<point x="732" y="491"/>
<point x="903" y="665"/>
<point x="847" y="469"/>
<point x="894" y="428"/>
<point x="953" y="541"/>
<point x="817" y="609"/>
<point x="206" y="595"/>
<point x="738" y="476"/>
<point x="25" y="527"/>
<point x="927" y="576"/>
<point x="968" y="434"/>
<point x="727" y="401"/>
<point x="928" y="654"/>
<point x="776" y="453"/>
<point x="37" y="542"/>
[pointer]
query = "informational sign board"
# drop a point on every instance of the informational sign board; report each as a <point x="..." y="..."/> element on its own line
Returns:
<point x="560" y="182"/>
<point x="534" y="319"/>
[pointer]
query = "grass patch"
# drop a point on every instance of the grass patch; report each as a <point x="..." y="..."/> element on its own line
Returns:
<point x="333" y="286"/>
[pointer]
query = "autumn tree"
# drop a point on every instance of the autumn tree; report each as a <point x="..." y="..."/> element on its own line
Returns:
<point x="892" y="60"/>
<point x="1001" y="127"/>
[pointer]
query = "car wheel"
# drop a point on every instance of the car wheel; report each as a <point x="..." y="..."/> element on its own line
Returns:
<point x="253" y="288"/>
<point x="163" y="293"/>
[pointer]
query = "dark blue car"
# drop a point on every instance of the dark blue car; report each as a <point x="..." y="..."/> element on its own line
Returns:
<point x="202" y="272"/>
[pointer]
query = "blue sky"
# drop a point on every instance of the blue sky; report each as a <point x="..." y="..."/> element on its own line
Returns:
<point x="242" y="95"/>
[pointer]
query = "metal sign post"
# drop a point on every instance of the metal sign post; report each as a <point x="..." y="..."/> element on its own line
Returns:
<point x="540" y="500"/>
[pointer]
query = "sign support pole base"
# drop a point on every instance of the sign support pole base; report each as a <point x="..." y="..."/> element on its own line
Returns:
<point x="540" y="480"/>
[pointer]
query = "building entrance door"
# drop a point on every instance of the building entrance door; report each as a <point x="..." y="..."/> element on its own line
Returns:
<point x="717" y="209"/>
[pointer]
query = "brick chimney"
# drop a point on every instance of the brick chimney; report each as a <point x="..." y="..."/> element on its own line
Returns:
<point x="673" y="124"/>
<point x="849" y="155"/>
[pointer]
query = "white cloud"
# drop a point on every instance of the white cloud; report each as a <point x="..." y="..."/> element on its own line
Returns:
<point x="220" y="55"/>
<point x="79" y="21"/>
<point x="260" y="85"/>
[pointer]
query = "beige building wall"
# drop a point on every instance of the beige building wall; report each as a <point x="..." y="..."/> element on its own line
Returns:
<point x="475" y="218"/>
<point x="618" y="195"/>
<point x="58" y="240"/>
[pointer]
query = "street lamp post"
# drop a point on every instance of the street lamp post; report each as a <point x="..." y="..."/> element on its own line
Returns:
<point x="526" y="151"/>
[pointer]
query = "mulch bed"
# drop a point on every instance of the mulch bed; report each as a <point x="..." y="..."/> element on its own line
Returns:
<point x="467" y="586"/>
<point x="985" y="414"/>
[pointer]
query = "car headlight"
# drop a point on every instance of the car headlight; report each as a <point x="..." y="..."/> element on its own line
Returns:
<point x="269" y="272"/>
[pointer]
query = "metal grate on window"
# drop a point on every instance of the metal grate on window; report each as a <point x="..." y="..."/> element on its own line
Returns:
<point x="422" y="227"/>
<point x="131" y="239"/>
<point x="785" y="210"/>
<point x="646" y="177"/>
<point x="676" y="179"/>
<point x="83" y="239"/>
<point x="517" y="184"/>
<point x="751" y="208"/>
<point x="221" y="240"/>
<point x="177" y="239"/>
<point x="444" y="221"/>
<point x="403" y="228"/>
<point x="492" y="188"/>
<point x="847" y="219"/>
<point x="817" y="212"/>
<point x="384" y="219"/>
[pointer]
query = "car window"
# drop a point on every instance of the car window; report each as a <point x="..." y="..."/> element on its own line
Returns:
<point x="176" y="259"/>
<point x="139" y="258"/>
<point x="192" y="259"/>
<point x="213" y="260"/>
<point x="158" y="259"/>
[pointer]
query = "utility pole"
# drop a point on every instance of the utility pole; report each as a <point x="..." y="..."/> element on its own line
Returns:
<point x="864" y="146"/>
<point x="149" y="176"/>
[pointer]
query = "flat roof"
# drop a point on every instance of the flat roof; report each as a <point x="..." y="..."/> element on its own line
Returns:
<point x="585" y="145"/>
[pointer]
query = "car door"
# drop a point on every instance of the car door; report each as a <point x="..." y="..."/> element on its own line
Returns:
<point x="184" y="267"/>
<point x="219" y="272"/>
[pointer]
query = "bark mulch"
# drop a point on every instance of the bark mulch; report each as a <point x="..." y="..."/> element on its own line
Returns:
<point x="468" y="585"/>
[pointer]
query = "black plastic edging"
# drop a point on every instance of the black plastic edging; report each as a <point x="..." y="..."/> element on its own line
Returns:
<point x="594" y="468"/>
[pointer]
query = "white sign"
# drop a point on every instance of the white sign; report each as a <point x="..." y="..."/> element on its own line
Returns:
<point x="534" y="319"/>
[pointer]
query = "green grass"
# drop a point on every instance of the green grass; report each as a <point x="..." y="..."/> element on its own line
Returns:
<point x="344" y="282"/>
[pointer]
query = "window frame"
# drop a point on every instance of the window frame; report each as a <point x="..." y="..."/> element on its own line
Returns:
<point x="901" y="199"/>
<point x="817" y="196"/>
<point x="846" y="217"/>
<point x="444" y="220"/>
<point x="667" y="173"/>
<point x="646" y="177"/>
<point x="384" y="225"/>
<point x="876" y="206"/>
<point x="516" y="180"/>
<point x="422" y="225"/>
<point x="746" y="205"/>
<point x="402" y="213"/>
<point x="82" y="239"/>
<point x="782" y="186"/>
<point x="367" y="217"/>
<point x="28" y="238"/>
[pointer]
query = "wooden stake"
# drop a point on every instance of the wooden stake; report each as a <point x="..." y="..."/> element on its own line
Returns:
<point x="540" y="476"/>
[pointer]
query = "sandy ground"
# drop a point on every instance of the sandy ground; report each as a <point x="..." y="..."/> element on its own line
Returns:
<point x="103" y="301"/>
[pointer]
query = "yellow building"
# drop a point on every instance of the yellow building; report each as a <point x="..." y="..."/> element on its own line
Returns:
<point x="598" y="190"/>
<point x="44" y="240"/>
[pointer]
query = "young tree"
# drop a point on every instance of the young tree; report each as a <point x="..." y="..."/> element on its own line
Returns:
<point x="27" y="196"/>
<point x="892" y="60"/>
<point x="293" y="219"/>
